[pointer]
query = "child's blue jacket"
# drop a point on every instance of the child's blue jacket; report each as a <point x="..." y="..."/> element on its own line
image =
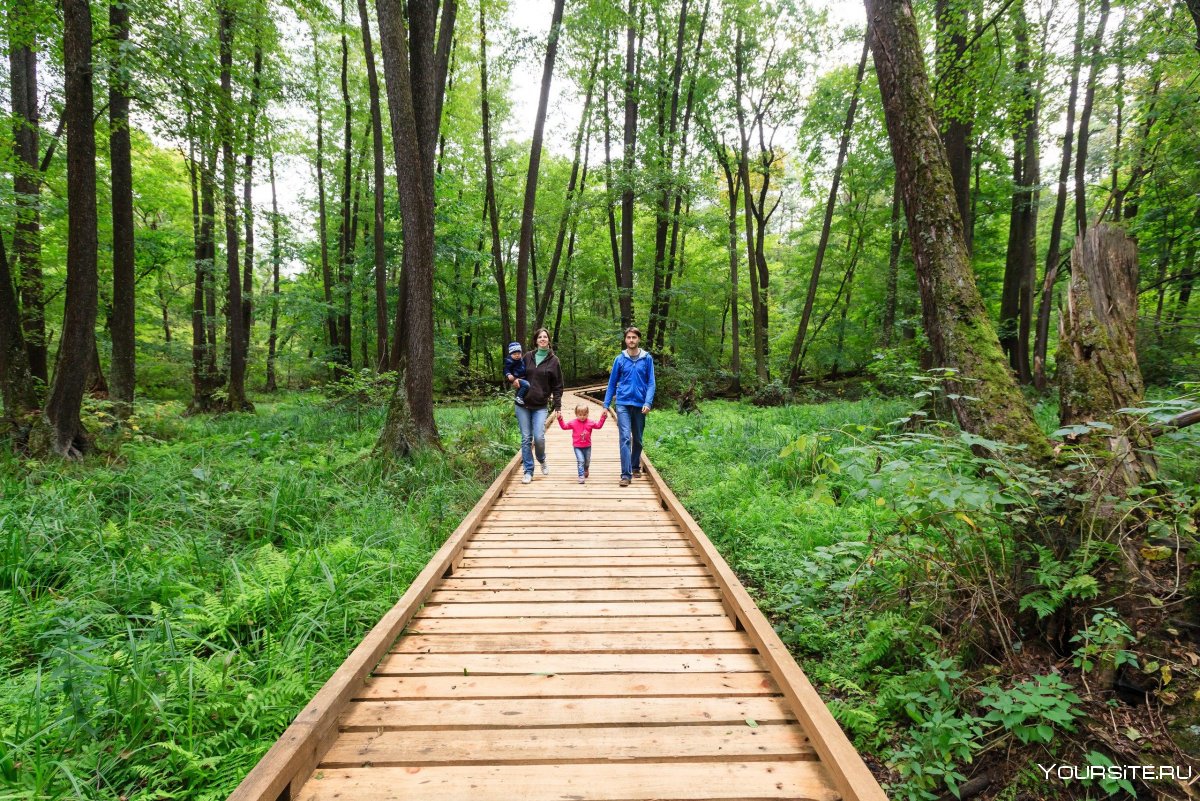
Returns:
<point x="631" y="380"/>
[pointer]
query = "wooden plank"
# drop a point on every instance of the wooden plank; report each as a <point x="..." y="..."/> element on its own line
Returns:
<point x="664" y="609"/>
<point x="549" y="625"/>
<point x="798" y="780"/>
<point x="291" y="759"/>
<point x="576" y="536"/>
<point x="522" y="664"/>
<point x="847" y="769"/>
<point x="570" y="685"/>
<point x="506" y="553"/>
<point x="592" y="642"/>
<point x="456" y="582"/>
<point x="532" y="596"/>
<point x="547" y="712"/>
<point x="580" y="571"/>
<point x="584" y="561"/>
<point x="526" y="746"/>
<point x="582" y="541"/>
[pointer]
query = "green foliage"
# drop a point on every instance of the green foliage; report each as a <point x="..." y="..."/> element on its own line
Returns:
<point x="166" y="617"/>
<point x="1032" y="709"/>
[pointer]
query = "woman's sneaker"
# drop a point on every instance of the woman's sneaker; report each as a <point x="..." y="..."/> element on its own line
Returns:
<point x="581" y="479"/>
<point x="545" y="469"/>
<point x="525" y="479"/>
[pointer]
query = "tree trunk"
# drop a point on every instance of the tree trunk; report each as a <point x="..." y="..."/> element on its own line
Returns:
<point x="1053" y="252"/>
<point x="956" y="103"/>
<point x="490" y="184"/>
<point x="248" y="191"/>
<point x="679" y="192"/>
<point x="827" y="223"/>
<point x="889" y="303"/>
<point x="276" y="260"/>
<point x="322" y="225"/>
<point x="662" y="225"/>
<point x="410" y="423"/>
<point x="956" y="322"/>
<point x="1098" y="372"/>
<point x="379" y="181"/>
<point x="1017" y="295"/>
<point x="27" y="249"/>
<point x="732" y="184"/>
<point x="570" y="201"/>
<point x="16" y="382"/>
<point x="525" y="243"/>
<point x="124" y="351"/>
<point x="626" y="313"/>
<point x="345" y="243"/>
<point x="1085" y="117"/>
<point x="760" y="362"/>
<point x="68" y="437"/>
<point x="236" y="400"/>
<point x="632" y="97"/>
<point x="1193" y="6"/>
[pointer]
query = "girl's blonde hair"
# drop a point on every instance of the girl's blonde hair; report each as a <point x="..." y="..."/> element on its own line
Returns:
<point x="582" y="407"/>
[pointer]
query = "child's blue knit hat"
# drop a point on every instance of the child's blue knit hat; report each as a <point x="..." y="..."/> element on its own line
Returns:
<point x="514" y="347"/>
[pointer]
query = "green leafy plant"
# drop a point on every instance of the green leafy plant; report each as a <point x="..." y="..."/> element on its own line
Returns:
<point x="1032" y="709"/>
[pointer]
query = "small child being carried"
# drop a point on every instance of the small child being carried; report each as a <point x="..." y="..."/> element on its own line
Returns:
<point x="581" y="436"/>
<point x="514" y="371"/>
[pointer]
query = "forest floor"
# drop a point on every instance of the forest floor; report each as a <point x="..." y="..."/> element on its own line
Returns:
<point x="170" y="604"/>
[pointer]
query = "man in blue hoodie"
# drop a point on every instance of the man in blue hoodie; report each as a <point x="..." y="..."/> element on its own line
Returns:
<point x="631" y="394"/>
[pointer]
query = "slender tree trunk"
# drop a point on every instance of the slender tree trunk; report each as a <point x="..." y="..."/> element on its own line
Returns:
<point x="379" y="182"/>
<point x="760" y="364"/>
<point x="956" y="321"/>
<point x="248" y="190"/>
<point x="1085" y="117"/>
<point x="237" y="342"/>
<point x="525" y="243"/>
<point x="62" y="414"/>
<point x="662" y="226"/>
<point x="1193" y="7"/>
<point x="276" y="260"/>
<point x="632" y="97"/>
<point x="542" y="308"/>
<point x="1017" y="294"/>
<point x="957" y="108"/>
<point x="124" y="349"/>
<point x="490" y="184"/>
<point x="345" y="243"/>
<point x="322" y="218"/>
<point x="608" y="192"/>
<point x="733" y="183"/>
<point x="27" y="247"/>
<point x="827" y="223"/>
<point x="16" y="382"/>
<point x="410" y="423"/>
<point x="889" y="303"/>
<point x="679" y="192"/>
<point x="1053" y="252"/>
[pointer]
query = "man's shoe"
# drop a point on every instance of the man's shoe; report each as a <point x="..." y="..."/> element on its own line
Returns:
<point x="545" y="469"/>
<point x="637" y="473"/>
<point x="525" y="479"/>
<point x="586" y="471"/>
<point x="624" y="481"/>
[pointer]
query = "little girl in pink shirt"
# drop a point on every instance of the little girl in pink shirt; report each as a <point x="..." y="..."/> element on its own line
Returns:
<point x="581" y="436"/>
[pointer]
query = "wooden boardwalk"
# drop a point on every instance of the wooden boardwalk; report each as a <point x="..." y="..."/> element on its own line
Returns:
<point x="568" y="642"/>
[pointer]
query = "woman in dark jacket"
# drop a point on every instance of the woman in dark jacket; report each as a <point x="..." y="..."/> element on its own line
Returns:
<point x="544" y="375"/>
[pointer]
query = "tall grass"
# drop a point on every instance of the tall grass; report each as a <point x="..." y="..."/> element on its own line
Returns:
<point x="164" y="617"/>
<point x="747" y="475"/>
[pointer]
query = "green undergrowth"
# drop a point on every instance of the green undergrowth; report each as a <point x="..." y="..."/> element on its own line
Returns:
<point x="916" y="572"/>
<point x="169" y="605"/>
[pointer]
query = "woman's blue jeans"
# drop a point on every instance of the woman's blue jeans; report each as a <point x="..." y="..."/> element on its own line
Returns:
<point x="630" y="425"/>
<point x="532" y="423"/>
